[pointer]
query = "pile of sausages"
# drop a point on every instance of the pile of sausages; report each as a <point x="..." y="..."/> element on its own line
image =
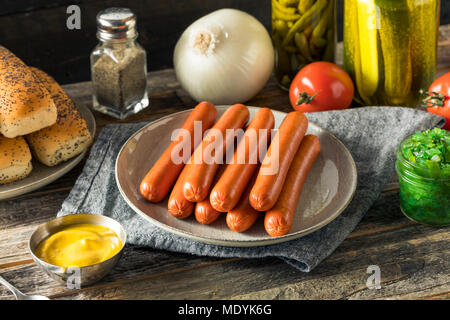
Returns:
<point x="242" y="189"/>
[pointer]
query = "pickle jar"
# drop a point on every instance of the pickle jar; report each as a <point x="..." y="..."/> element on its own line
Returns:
<point x="390" y="49"/>
<point x="303" y="31"/>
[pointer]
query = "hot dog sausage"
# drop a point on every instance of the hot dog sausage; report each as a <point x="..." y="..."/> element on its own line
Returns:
<point x="204" y="212"/>
<point x="282" y="149"/>
<point x="278" y="221"/>
<point x="201" y="168"/>
<point x="178" y="206"/>
<point x="161" y="177"/>
<point x="243" y="216"/>
<point x="228" y="190"/>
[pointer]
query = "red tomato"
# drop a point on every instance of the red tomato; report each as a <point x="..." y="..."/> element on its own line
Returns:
<point x="438" y="98"/>
<point x="321" y="86"/>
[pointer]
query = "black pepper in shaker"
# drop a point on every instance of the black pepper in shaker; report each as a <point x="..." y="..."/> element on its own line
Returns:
<point x="118" y="65"/>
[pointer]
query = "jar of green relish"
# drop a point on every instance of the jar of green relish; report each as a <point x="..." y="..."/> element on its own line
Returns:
<point x="423" y="169"/>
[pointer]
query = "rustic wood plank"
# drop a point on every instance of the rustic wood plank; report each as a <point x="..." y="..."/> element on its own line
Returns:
<point x="135" y="263"/>
<point x="444" y="45"/>
<point x="48" y="44"/>
<point x="395" y="284"/>
<point x="64" y="53"/>
<point x="340" y="277"/>
<point x="384" y="237"/>
<point x="11" y="6"/>
<point x="20" y="218"/>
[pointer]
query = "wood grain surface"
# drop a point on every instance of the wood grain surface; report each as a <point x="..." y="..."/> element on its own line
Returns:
<point x="414" y="259"/>
<point x="36" y="29"/>
<point x="38" y="34"/>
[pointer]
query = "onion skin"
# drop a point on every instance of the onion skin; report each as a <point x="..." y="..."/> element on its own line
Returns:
<point x="225" y="57"/>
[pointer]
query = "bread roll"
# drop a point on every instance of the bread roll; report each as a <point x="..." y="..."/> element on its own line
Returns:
<point x="68" y="137"/>
<point x="15" y="160"/>
<point x="25" y="106"/>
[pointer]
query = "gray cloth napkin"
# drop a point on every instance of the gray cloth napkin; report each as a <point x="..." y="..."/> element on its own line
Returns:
<point x="371" y="134"/>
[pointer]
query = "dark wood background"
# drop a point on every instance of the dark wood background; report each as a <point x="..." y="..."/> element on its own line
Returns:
<point x="35" y="30"/>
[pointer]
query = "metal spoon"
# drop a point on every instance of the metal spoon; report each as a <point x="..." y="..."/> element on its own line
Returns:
<point x="19" y="295"/>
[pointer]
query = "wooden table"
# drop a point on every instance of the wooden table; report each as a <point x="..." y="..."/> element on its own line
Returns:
<point x="414" y="259"/>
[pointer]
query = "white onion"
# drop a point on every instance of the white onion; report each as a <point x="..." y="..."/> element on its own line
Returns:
<point x="225" y="57"/>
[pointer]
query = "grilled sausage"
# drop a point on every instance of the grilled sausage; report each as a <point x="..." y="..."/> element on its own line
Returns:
<point x="201" y="170"/>
<point x="204" y="212"/>
<point x="243" y="216"/>
<point x="285" y="144"/>
<point x="278" y="221"/>
<point x="161" y="177"/>
<point x="228" y="190"/>
<point x="178" y="206"/>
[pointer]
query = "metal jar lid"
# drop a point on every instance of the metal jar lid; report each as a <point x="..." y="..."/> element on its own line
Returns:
<point x="116" y="24"/>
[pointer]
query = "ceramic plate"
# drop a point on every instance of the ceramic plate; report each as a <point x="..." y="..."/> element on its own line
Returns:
<point x="328" y="189"/>
<point x="42" y="175"/>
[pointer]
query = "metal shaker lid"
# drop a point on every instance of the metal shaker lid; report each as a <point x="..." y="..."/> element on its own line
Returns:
<point x="116" y="24"/>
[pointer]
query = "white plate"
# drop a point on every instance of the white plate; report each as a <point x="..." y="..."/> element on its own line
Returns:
<point x="42" y="175"/>
<point x="328" y="189"/>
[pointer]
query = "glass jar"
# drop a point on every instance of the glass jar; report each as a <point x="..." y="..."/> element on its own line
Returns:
<point x="118" y="65"/>
<point x="424" y="191"/>
<point x="303" y="31"/>
<point x="390" y="49"/>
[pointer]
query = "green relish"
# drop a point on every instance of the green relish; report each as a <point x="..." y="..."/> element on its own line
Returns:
<point x="429" y="149"/>
<point x="423" y="169"/>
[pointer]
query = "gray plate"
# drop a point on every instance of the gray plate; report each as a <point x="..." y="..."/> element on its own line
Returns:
<point x="42" y="175"/>
<point x="328" y="189"/>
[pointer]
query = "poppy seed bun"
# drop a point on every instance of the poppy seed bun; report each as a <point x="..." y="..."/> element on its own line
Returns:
<point x="68" y="137"/>
<point x="25" y="106"/>
<point x="15" y="159"/>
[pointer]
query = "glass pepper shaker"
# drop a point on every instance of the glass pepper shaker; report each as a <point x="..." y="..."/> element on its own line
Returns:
<point x="118" y="65"/>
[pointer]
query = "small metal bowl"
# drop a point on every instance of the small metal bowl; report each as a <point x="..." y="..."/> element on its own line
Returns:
<point x="76" y="275"/>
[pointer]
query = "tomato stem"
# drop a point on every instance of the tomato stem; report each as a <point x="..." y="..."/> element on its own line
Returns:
<point x="303" y="97"/>
<point x="432" y="99"/>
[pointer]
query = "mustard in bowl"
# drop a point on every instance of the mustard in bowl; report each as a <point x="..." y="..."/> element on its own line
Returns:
<point x="78" y="249"/>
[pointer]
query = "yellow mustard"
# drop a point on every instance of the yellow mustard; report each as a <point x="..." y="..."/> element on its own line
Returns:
<point x="79" y="245"/>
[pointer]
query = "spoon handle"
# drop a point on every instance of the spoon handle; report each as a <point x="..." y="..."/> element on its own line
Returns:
<point x="13" y="289"/>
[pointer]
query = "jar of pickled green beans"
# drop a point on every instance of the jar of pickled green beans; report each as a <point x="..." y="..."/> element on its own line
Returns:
<point x="423" y="169"/>
<point x="390" y="49"/>
<point x="303" y="31"/>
